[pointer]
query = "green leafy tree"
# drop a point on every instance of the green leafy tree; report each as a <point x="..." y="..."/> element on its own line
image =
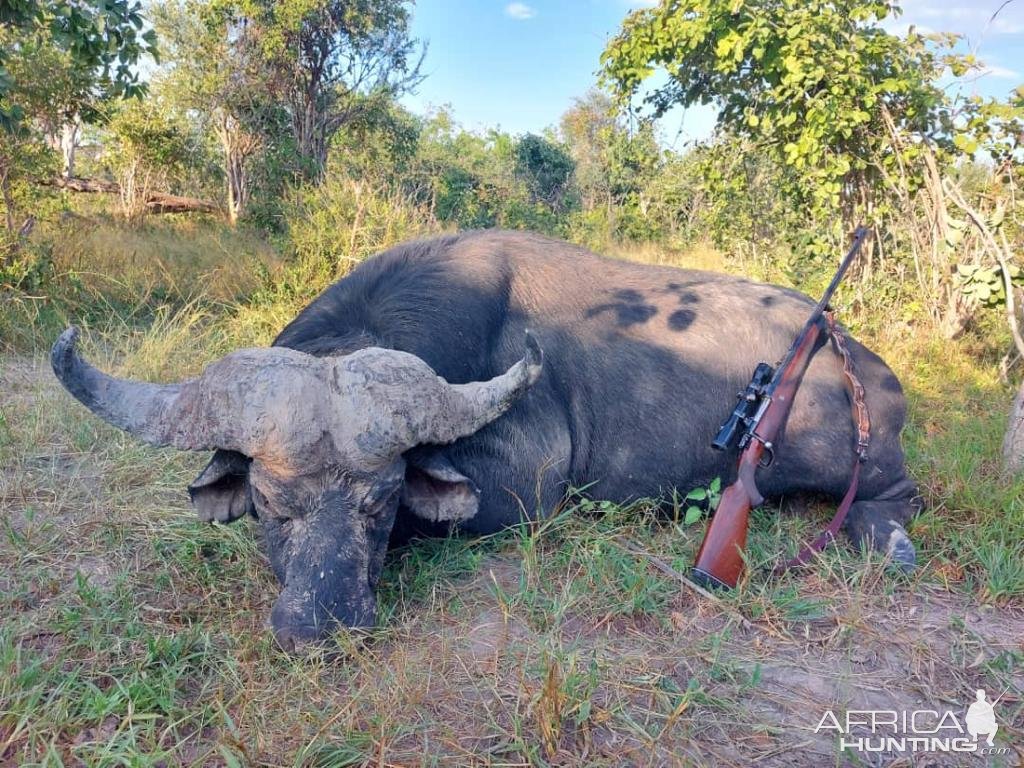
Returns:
<point x="58" y="59"/>
<point x="147" y="149"/>
<point x="382" y="145"/>
<point x="818" y="86"/>
<point x="724" y="192"/>
<point x="587" y="128"/>
<point x="54" y="95"/>
<point x="615" y="167"/>
<point x="25" y="157"/>
<point x="331" y="61"/>
<point x="104" y="38"/>
<point x="215" y="73"/>
<point x="546" y="168"/>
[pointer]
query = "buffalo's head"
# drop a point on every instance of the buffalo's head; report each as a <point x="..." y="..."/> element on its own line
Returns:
<point x="322" y="442"/>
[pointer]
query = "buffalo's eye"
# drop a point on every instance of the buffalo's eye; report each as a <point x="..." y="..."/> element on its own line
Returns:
<point x="269" y="512"/>
<point x="280" y="526"/>
<point x="374" y="505"/>
<point x="259" y="500"/>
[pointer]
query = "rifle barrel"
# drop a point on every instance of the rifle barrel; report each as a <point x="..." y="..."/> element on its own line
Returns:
<point x="858" y="240"/>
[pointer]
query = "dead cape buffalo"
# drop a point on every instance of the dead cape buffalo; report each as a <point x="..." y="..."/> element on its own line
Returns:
<point x="406" y="391"/>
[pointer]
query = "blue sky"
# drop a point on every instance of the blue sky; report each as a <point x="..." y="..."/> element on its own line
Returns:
<point x="519" y="65"/>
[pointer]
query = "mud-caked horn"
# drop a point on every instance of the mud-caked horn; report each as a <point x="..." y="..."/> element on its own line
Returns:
<point x="408" y="404"/>
<point x="197" y="414"/>
<point x="279" y="403"/>
<point x="139" y="408"/>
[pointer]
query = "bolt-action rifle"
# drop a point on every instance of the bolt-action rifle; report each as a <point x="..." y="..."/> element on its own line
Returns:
<point x="755" y="425"/>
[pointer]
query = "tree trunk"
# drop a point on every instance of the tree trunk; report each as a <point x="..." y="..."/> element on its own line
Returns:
<point x="160" y="202"/>
<point x="8" y="250"/>
<point x="1013" y="442"/>
<point x="311" y="142"/>
<point x="8" y="197"/>
<point x="69" y="144"/>
<point x="87" y="185"/>
<point x="132" y="189"/>
<point x="237" y="146"/>
<point x="309" y="121"/>
<point x="234" y="209"/>
<point x="237" y="182"/>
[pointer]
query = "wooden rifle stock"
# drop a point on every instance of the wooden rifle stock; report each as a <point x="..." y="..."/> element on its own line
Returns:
<point x="720" y="557"/>
<point x="719" y="560"/>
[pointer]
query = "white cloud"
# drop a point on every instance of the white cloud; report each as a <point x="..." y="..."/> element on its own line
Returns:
<point x="519" y="11"/>
<point x="1007" y="27"/>
<point x="1001" y="72"/>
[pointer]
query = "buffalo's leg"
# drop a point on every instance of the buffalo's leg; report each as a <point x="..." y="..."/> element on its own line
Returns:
<point x="880" y="523"/>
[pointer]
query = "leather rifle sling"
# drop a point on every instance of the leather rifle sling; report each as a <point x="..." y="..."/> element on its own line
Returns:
<point x="862" y="425"/>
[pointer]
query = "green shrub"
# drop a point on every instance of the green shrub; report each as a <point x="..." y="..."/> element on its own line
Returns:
<point x="341" y="221"/>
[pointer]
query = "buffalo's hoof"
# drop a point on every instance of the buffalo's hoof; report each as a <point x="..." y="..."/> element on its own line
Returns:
<point x="885" y="536"/>
<point x="900" y="550"/>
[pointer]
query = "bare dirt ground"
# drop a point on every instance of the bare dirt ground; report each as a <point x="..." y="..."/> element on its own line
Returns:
<point x="132" y="635"/>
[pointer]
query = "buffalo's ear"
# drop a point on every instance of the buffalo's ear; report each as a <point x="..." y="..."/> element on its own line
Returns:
<point x="434" y="490"/>
<point x="221" y="492"/>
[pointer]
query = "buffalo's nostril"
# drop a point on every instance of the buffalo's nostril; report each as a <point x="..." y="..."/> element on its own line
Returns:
<point x="285" y="642"/>
<point x="295" y="638"/>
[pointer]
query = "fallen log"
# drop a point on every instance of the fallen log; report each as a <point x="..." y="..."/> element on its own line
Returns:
<point x="156" y="202"/>
<point x="85" y="185"/>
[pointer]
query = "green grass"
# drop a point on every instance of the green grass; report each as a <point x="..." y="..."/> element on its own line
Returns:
<point x="134" y="636"/>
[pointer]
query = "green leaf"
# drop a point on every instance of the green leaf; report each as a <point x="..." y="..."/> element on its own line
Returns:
<point x="965" y="143"/>
<point x="692" y="515"/>
<point x="727" y="44"/>
<point x="697" y="494"/>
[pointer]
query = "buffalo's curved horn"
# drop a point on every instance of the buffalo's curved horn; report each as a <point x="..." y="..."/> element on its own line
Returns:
<point x="159" y="414"/>
<point x="402" y="402"/>
<point x="465" y="408"/>
<point x="385" y="401"/>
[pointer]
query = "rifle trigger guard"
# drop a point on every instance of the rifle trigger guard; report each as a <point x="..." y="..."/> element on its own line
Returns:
<point x="768" y="457"/>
